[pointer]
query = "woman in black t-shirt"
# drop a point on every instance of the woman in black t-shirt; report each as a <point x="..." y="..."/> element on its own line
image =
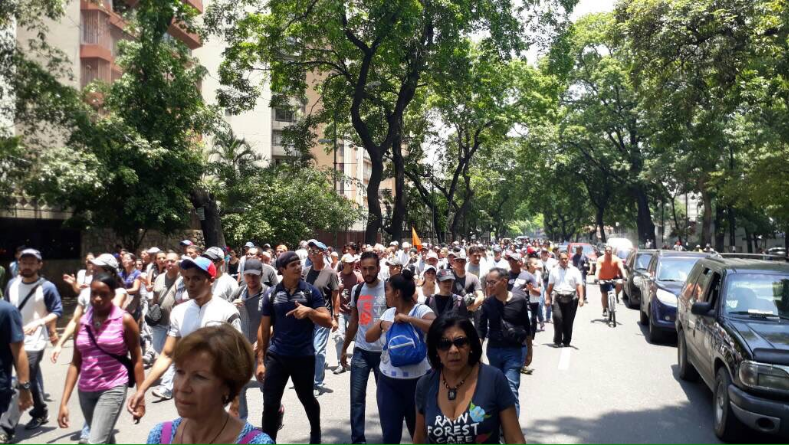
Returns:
<point x="462" y="400"/>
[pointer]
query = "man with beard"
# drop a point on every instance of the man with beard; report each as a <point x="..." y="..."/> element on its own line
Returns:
<point x="368" y="303"/>
<point x="38" y="300"/>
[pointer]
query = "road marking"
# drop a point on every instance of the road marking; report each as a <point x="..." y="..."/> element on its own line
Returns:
<point x="564" y="359"/>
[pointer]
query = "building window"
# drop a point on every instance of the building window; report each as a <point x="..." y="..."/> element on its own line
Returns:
<point x="284" y="115"/>
<point x="277" y="137"/>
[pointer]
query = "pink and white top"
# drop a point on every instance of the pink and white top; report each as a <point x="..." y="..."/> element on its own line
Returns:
<point x="100" y="371"/>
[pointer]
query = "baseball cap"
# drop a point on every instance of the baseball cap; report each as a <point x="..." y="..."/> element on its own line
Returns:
<point x="429" y="268"/>
<point x="286" y="258"/>
<point x="317" y="244"/>
<point x="253" y="266"/>
<point x="445" y="274"/>
<point x="249" y="245"/>
<point x="432" y="255"/>
<point x="497" y="249"/>
<point x="393" y="262"/>
<point x="30" y="252"/>
<point x="214" y="253"/>
<point x="394" y="243"/>
<point x="186" y="243"/>
<point x="201" y="263"/>
<point x="154" y="250"/>
<point x="460" y="255"/>
<point x="106" y="260"/>
<point x="406" y="245"/>
<point x="514" y="256"/>
<point x="530" y="249"/>
<point x="347" y="258"/>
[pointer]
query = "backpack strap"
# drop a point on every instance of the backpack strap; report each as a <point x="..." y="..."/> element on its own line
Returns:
<point x="247" y="439"/>
<point x="167" y="433"/>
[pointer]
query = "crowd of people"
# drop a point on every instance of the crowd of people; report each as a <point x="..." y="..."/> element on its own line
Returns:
<point x="209" y="324"/>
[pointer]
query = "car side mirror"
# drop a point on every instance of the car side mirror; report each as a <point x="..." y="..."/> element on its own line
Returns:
<point x="702" y="309"/>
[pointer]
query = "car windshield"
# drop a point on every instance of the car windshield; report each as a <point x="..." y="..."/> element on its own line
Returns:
<point x="675" y="269"/>
<point x="642" y="261"/>
<point x="758" y="295"/>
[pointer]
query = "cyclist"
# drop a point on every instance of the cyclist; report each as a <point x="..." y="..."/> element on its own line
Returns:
<point x="609" y="267"/>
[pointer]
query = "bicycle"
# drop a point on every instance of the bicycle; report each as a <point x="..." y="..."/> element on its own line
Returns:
<point x="612" y="301"/>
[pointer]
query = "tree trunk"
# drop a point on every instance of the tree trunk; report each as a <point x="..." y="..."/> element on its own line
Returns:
<point x="600" y="223"/>
<point x="720" y="230"/>
<point x="676" y="220"/>
<point x="732" y="226"/>
<point x="398" y="214"/>
<point x="706" y="224"/>
<point x="211" y="224"/>
<point x="373" y="200"/>
<point x="646" y="229"/>
<point x="748" y="240"/>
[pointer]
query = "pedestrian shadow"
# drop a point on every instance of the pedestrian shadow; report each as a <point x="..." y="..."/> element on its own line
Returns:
<point x="23" y="434"/>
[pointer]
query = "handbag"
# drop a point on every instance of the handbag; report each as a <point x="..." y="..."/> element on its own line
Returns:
<point x="513" y="333"/>
<point x="154" y="314"/>
<point x="125" y="360"/>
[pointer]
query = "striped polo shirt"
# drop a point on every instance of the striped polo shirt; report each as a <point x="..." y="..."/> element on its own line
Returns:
<point x="100" y="371"/>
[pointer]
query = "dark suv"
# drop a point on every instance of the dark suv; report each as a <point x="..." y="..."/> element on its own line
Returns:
<point x="733" y="330"/>
<point x="659" y="287"/>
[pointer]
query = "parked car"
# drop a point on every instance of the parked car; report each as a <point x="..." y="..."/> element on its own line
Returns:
<point x="733" y="331"/>
<point x="665" y="276"/>
<point x="589" y="251"/>
<point x="636" y="266"/>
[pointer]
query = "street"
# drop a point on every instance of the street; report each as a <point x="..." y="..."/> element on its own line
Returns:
<point x="611" y="386"/>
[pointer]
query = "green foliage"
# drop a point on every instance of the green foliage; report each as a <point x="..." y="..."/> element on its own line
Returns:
<point x="287" y="204"/>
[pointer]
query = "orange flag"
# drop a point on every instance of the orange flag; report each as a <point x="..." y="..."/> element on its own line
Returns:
<point x="415" y="242"/>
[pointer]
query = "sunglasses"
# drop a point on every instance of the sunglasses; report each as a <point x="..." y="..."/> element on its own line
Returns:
<point x="315" y="251"/>
<point x="446" y="344"/>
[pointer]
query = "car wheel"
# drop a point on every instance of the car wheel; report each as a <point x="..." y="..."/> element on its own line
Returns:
<point x="686" y="370"/>
<point x="655" y="335"/>
<point x="727" y="426"/>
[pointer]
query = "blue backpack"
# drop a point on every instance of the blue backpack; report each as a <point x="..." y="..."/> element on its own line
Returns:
<point x="405" y="344"/>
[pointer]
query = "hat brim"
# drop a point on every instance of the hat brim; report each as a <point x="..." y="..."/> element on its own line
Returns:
<point x="254" y="272"/>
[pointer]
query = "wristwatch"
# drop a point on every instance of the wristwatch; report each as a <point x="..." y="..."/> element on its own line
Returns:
<point x="23" y="386"/>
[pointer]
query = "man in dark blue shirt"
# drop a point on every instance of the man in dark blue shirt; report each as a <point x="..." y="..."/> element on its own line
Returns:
<point x="289" y="313"/>
<point x="12" y="352"/>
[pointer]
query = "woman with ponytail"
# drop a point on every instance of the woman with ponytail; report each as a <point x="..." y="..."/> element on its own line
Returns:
<point x="404" y="358"/>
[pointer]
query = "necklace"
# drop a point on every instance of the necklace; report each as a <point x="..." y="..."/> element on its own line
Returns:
<point x="227" y="418"/>
<point x="452" y="393"/>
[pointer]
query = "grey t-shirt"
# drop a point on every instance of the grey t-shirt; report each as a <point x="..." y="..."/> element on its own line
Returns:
<point x="466" y="284"/>
<point x="325" y="280"/>
<point x="371" y="306"/>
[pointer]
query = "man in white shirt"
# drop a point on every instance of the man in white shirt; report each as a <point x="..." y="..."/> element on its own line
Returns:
<point x="202" y="310"/>
<point x="547" y="264"/>
<point x="498" y="261"/>
<point x="223" y="285"/>
<point x="38" y="300"/>
<point x="404" y="255"/>
<point x="564" y="288"/>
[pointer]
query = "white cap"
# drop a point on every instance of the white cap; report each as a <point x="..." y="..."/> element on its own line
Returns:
<point x="106" y="260"/>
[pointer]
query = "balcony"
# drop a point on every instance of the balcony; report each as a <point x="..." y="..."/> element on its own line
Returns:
<point x="96" y="38"/>
<point x="95" y="69"/>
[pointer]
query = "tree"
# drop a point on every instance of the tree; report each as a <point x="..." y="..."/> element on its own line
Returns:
<point x="369" y="58"/>
<point x="138" y="165"/>
<point x="603" y="118"/>
<point x="287" y="204"/>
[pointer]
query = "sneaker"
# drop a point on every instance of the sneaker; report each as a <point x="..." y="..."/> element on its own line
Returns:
<point x="84" y="441"/>
<point x="340" y="370"/>
<point x="542" y="326"/>
<point x="37" y="422"/>
<point x="586" y="301"/>
<point x="5" y="438"/>
<point x="605" y="312"/>
<point x="318" y="391"/>
<point x="162" y="393"/>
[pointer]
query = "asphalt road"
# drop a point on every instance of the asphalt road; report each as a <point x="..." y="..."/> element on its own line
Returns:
<point x="611" y="386"/>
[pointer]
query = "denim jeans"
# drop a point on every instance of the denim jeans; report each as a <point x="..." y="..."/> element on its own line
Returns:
<point x="243" y="408"/>
<point x="509" y="360"/>
<point x="339" y="335"/>
<point x="362" y="364"/>
<point x="545" y="308"/>
<point x="101" y="411"/>
<point x="320" y="340"/>
<point x="158" y="338"/>
<point x="396" y="402"/>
